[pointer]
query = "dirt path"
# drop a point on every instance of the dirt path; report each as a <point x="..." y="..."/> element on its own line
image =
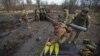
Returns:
<point x="31" y="47"/>
<point x="26" y="48"/>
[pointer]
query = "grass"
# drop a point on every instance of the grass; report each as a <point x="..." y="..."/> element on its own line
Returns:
<point x="14" y="12"/>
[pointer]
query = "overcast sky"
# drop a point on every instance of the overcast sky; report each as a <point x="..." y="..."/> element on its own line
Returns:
<point x="49" y="1"/>
<point x="54" y="1"/>
<point x="59" y="2"/>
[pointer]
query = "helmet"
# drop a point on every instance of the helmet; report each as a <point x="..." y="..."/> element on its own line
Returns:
<point x="85" y="10"/>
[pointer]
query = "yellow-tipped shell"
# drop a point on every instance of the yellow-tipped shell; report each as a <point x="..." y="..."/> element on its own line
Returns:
<point x="47" y="47"/>
<point x="56" y="49"/>
<point x="51" y="49"/>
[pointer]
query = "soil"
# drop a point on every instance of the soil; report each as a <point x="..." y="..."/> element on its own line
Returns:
<point x="21" y="40"/>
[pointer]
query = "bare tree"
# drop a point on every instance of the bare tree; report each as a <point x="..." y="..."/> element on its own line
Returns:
<point x="29" y="2"/>
<point x="9" y="4"/>
<point x="72" y="5"/>
<point x="38" y="3"/>
<point x="65" y="4"/>
<point x="94" y="4"/>
<point x="6" y="4"/>
<point x="22" y="4"/>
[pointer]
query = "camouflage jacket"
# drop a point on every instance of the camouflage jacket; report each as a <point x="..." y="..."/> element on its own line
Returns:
<point x="81" y="20"/>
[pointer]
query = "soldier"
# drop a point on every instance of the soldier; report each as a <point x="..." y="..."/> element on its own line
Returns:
<point x="66" y="15"/>
<point x="40" y="14"/>
<point x="82" y="21"/>
<point x="37" y="15"/>
<point x="24" y="18"/>
<point x="62" y="32"/>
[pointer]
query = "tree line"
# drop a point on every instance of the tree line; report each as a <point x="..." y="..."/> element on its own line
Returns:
<point x="70" y="4"/>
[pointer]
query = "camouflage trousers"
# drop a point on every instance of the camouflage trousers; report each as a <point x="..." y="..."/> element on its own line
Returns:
<point x="73" y="38"/>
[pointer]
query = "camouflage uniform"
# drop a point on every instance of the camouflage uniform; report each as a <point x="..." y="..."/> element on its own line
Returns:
<point x="66" y="14"/>
<point x="41" y="13"/>
<point x="24" y="18"/>
<point x="80" y="20"/>
<point x="64" y="33"/>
